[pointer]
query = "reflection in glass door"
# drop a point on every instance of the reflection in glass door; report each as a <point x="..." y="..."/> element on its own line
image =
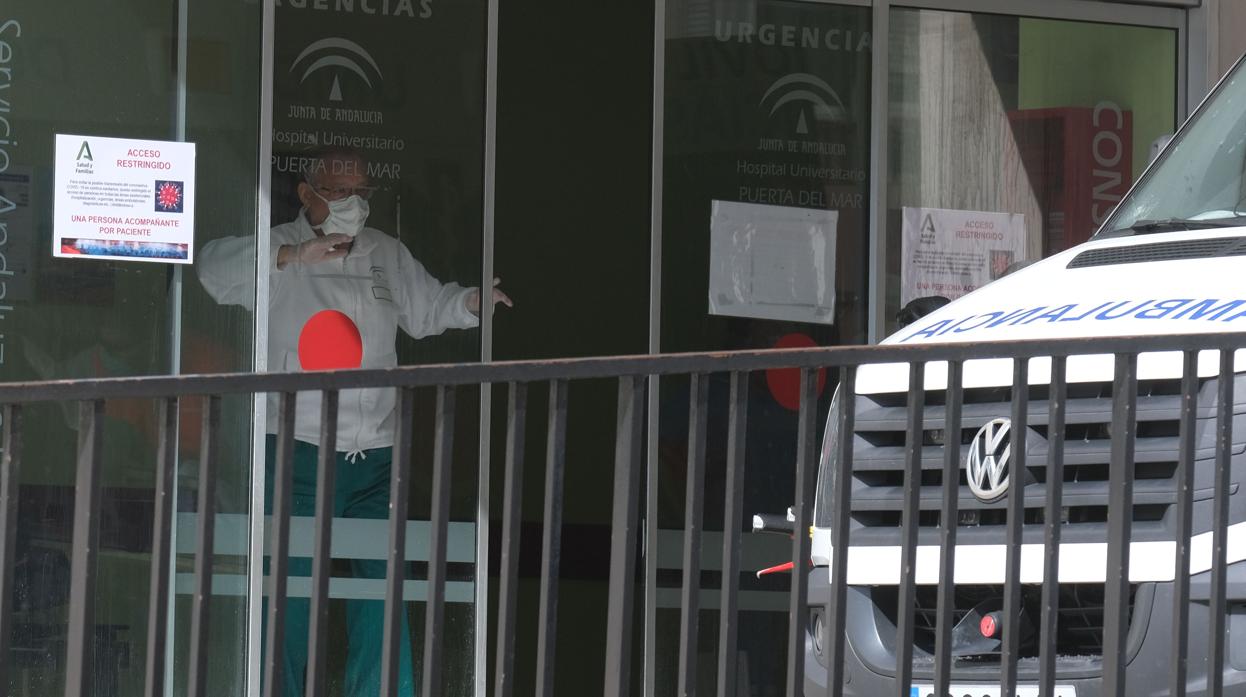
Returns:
<point x="1012" y="139"/>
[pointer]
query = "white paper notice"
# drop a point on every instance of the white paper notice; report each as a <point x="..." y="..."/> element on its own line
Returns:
<point x="772" y="262"/>
<point x="118" y="198"/>
<point x="952" y="253"/>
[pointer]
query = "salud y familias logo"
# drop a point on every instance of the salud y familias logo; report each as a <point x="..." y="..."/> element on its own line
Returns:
<point x="84" y="162"/>
<point x="169" y="198"/>
<point x="928" y="230"/>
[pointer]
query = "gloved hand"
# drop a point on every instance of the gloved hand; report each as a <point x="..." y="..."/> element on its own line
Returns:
<point x="314" y="251"/>
<point x="473" y="298"/>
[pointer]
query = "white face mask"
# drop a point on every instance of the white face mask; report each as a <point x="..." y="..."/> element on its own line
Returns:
<point x="346" y="216"/>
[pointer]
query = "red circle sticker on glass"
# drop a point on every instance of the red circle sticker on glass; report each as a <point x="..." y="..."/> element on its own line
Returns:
<point x="784" y="383"/>
<point x="330" y="341"/>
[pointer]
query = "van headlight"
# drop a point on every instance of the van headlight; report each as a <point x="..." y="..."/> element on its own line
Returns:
<point x="826" y="463"/>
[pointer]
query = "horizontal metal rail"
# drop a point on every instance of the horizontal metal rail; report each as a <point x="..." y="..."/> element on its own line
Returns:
<point x="591" y="368"/>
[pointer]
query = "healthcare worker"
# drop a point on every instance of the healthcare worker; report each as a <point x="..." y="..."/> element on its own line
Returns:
<point x="327" y="260"/>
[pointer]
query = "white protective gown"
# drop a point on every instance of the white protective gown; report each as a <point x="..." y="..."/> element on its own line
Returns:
<point x="378" y="285"/>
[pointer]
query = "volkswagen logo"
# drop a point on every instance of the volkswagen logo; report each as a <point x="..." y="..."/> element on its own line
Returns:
<point x="989" y="457"/>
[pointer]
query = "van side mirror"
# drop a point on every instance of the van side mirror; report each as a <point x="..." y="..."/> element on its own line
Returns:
<point x="918" y="308"/>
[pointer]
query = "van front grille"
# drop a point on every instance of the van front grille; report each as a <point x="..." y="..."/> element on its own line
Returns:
<point x="878" y="464"/>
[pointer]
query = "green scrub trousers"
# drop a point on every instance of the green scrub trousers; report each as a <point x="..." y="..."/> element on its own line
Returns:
<point x="361" y="491"/>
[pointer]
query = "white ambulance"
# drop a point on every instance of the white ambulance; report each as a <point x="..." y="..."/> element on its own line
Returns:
<point x="1170" y="260"/>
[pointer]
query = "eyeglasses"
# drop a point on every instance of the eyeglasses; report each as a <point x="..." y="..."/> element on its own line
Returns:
<point x="331" y="193"/>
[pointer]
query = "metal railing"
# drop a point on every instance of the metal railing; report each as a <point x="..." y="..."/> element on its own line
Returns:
<point x="619" y="637"/>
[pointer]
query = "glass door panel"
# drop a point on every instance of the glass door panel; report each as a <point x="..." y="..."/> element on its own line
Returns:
<point x="83" y="318"/>
<point x="764" y="244"/>
<point x="380" y="107"/>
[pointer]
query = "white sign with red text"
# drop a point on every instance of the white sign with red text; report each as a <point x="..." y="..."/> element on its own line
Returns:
<point x="124" y="199"/>
<point x="953" y="253"/>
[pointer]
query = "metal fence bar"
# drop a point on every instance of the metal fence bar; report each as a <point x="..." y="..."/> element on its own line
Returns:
<point x="165" y="497"/>
<point x="649" y="542"/>
<point x="948" y="517"/>
<point x="512" y="504"/>
<point x="551" y="546"/>
<point x="1016" y="465"/>
<point x="443" y="453"/>
<point x="205" y="544"/>
<point x="1188" y="434"/>
<point x="837" y="575"/>
<point x="1220" y="523"/>
<point x="279" y="547"/>
<point x="627" y="458"/>
<point x="322" y="555"/>
<point x="907" y="602"/>
<point x="806" y="471"/>
<point x="1120" y="518"/>
<point x="10" y="483"/>
<point x="733" y="514"/>
<point x="395" y="572"/>
<point x="694" y="513"/>
<point x="1052" y="520"/>
<point x="81" y="632"/>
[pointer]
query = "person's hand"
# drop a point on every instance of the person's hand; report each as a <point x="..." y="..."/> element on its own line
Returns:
<point x="314" y="251"/>
<point x="473" y="298"/>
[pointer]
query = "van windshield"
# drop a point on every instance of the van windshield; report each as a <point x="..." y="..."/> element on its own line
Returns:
<point x="1199" y="181"/>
